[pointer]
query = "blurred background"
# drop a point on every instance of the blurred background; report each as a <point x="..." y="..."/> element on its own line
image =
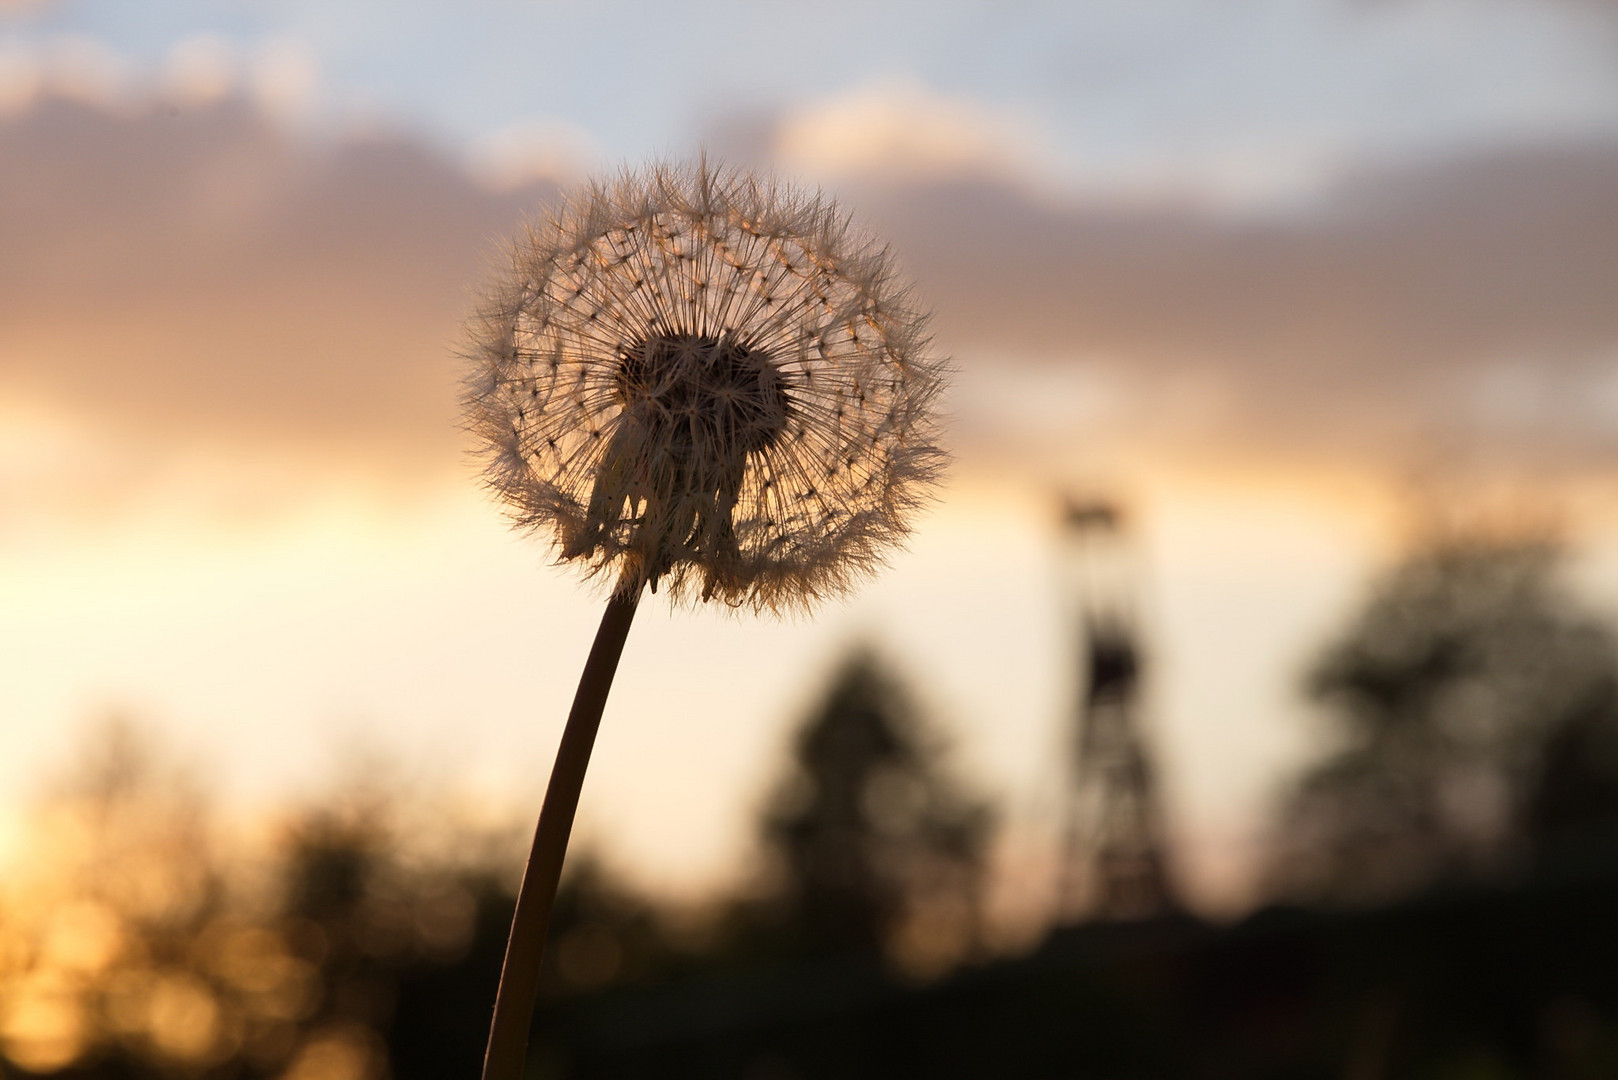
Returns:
<point x="1246" y="706"/>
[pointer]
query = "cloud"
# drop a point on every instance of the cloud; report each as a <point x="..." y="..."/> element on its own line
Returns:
<point x="285" y="80"/>
<point x="535" y="151"/>
<point x="20" y="77"/>
<point x="205" y="273"/>
<point x="899" y="130"/>
<point x="194" y="274"/>
<point x="200" y="69"/>
<point x="84" y="69"/>
<point x="1383" y="312"/>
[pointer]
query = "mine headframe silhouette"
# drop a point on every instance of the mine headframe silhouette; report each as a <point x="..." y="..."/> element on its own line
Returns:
<point x="1112" y="862"/>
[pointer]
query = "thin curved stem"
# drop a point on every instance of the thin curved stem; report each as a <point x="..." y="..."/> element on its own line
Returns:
<point x="519" y="977"/>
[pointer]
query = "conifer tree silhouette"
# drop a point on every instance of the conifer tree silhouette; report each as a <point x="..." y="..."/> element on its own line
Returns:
<point x="879" y="851"/>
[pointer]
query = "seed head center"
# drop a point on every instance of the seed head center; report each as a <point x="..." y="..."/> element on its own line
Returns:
<point x="694" y="391"/>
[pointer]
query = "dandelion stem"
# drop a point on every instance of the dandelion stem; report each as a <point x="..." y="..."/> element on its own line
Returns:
<point x="519" y="977"/>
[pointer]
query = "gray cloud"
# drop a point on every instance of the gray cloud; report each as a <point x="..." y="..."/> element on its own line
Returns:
<point x="1473" y="298"/>
<point x="208" y="275"/>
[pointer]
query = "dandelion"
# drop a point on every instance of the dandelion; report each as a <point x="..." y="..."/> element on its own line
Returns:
<point x="702" y="381"/>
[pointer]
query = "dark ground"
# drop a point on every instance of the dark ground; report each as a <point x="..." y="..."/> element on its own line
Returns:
<point x="1505" y="982"/>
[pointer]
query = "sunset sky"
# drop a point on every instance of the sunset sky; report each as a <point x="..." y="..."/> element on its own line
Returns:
<point x="1259" y="270"/>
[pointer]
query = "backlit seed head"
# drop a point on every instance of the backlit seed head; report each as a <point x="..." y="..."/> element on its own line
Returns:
<point x="701" y="379"/>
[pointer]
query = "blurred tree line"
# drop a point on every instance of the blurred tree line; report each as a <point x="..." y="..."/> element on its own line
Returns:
<point x="1473" y="703"/>
<point x="367" y="945"/>
<point x="1443" y="879"/>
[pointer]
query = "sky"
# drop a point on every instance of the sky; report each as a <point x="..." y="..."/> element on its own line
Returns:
<point x="1258" y="270"/>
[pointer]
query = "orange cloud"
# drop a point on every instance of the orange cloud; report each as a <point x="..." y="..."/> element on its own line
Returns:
<point x="200" y="271"/>
<point x="901" y="131"/>
<point x="197" y="272"/>
<point x="1466" y="300"/>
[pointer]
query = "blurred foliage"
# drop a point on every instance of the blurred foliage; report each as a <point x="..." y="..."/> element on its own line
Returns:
<point x="1473" y="703"/>
<point x="140" y="940"/>
<point x="873" y="849"/>
<point x="1481" y="984"/>
<point x="363" y="939"/>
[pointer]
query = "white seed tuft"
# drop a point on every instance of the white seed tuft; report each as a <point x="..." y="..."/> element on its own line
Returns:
<point x="702" y="379"/>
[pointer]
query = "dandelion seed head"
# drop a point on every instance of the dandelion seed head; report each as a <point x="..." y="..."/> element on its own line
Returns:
<point x="703" y="380"/>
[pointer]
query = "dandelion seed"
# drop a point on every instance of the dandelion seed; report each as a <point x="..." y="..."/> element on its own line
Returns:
<point x="727" y="341"/>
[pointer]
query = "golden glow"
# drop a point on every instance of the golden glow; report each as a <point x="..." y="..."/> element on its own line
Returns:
<point x="43" y="1024"/>
<point x="339" y="1053"/>
<point x="183" y="1020"/>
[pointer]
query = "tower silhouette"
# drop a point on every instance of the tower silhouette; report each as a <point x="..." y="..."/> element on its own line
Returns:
<point x="1112" y="861"/>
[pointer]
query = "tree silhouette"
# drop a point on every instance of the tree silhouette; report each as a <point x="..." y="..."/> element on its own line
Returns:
<point x="876" y="851"/>
<point x="1450" y="693"/>
<point x="140" y="939"/>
